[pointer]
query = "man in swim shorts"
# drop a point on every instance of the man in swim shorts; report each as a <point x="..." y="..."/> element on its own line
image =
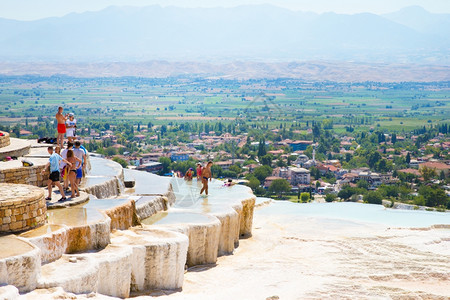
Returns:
<point x="61" y="120"/>
<point x="206" y="174"/>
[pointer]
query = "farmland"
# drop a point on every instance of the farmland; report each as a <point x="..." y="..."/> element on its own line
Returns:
<point x="394" y="107"/>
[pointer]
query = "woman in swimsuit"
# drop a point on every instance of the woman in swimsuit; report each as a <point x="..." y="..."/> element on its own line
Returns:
<point x="73" y="174"/>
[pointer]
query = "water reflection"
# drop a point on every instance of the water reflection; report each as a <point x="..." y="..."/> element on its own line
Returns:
<point x="47" y="228"/>
<point x="74" y="216"/>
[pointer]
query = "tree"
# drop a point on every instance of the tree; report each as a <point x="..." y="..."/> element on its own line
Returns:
<point x="304" y="197"/>
<point x="262" y="172"/>
<point x="408" y="158"/>
<point x="110" y="151"/>
<point x="346" y="192"/>
<point x="121" y="161"/>
<point x="427" y="173"/>
<point x="262" y="148"/>
<point x="217" y="171"/>
<point x="266" y="159"/>
<point x="373" y="197"/>
<point x="165" y="161"/>
<point x="235" y="169"/>
<point x="253" y="183"/>
<point x="433" y="196"/>
<point x="330" y="197"/>
<point x="278" y="186"/>
<point x="363" y="184"/>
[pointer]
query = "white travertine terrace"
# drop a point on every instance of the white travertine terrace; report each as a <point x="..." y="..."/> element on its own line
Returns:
<point x="147" y="206"/>
<point x="159" y="257"/>
<point x="9" y="292"/>
<point x="203" y="232"/>
<point x="20" y="263"/>
<point x="95" y="248"/>
<point x="52" y="241"/>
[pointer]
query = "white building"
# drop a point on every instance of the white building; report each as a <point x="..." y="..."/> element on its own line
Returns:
<point x="299" y="176"/>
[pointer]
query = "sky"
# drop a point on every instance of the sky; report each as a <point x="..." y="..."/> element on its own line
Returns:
<point x="38" y="9"/>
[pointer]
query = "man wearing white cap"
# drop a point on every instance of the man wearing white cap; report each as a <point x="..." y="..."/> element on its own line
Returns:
<point x="71" y="125"/>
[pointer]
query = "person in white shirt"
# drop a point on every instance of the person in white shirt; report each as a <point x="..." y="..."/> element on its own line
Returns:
<point x="71" y="125"/>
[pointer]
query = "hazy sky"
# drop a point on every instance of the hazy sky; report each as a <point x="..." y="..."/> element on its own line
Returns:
<point x="37" y="9"/>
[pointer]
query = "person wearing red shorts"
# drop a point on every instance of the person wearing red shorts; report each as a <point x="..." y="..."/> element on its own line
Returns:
<point x="61" y="119"/>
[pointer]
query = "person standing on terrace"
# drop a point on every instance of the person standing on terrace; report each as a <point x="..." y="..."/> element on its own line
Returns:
<point x="199" y="171"/>
<point x="61" y="120"/>
<point x="71" y="125"/>
<point x="81" y="164"/>
<point x="53" y="163"/>
<point x="206" y="174"/>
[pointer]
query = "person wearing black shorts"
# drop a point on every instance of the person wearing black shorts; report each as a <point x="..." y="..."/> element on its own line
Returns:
<point x="53" y="163"/>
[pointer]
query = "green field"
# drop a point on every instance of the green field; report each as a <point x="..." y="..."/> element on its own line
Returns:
<point x="390" y="106"/>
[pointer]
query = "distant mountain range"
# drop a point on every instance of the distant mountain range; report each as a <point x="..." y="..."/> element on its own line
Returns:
<point x="308" y="71"/>
<point x="256" y="33"/>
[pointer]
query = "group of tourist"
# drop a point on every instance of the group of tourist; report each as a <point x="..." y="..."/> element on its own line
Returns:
<point x="203" y="174"/>
<point x="68" y="164"/>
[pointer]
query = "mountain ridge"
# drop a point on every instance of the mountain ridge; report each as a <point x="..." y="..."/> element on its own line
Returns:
<point x="259" y="32"/>
<point x="308" y="71"/>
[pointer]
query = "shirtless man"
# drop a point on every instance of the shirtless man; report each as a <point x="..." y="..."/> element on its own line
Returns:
<point x="206" y="174"/>
<point x="61" y="119"/>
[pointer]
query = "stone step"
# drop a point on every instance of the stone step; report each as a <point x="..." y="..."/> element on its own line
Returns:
<point x="4" y="139"/>
<point x="16" y="148"/>
<point x="56" y="195"/>
<point x="138" y="260"/>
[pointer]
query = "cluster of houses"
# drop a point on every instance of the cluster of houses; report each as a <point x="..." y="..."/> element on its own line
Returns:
<point x="298" y="174"/>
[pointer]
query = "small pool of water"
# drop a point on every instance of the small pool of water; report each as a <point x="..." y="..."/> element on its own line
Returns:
<point x="357" y="212"/>
<point x="103" y="204"/>
<point x="101" y="171"/>
<point x="104" y="167"/>
<point x="188" y="193"/>
<point x="47" y="228"/>
<point x="147" y="183"/>
<point x="74" y="216"/>
<point x="12" y="246"/>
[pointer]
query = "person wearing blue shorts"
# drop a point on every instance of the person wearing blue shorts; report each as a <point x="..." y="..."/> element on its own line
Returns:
<point x="78" y="152"/>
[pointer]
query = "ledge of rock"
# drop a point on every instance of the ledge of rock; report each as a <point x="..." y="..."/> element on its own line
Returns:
<point x="16" y="147"/>
<point x="203" y="232"/>
<point x="17" y="258"/>
<point x="159" y="257"/>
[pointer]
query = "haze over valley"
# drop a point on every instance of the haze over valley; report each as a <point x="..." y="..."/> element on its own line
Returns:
<point x="253" y="32"/>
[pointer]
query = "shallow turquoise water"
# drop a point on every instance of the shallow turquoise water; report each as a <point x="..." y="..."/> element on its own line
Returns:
<point x="357" y="212"/>
<point x="101" y="171"/>
<point x="188" y="193"/>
